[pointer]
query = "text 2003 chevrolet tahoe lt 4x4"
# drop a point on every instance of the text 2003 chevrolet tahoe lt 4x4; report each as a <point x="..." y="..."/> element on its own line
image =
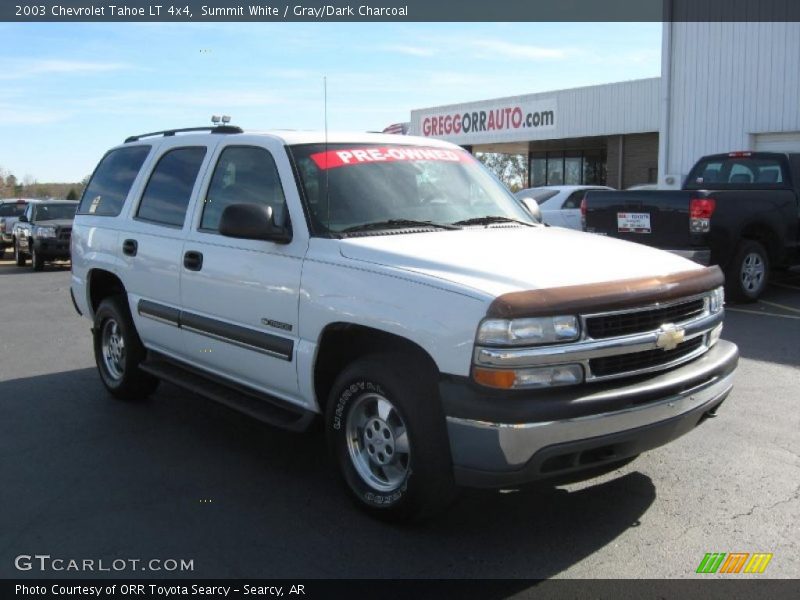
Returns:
<point x="394" y="287"/>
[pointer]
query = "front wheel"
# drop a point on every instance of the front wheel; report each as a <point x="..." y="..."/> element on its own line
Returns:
<point x="747" y="275"/>
<point x="19" y="257"/>
<point x="387" y="433"/>
<point x="118" y="351"/>
<point x="37" y="260"/>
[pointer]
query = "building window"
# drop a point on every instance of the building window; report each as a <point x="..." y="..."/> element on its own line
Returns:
<point x="573" y="174"/>
<point x="574" y="167"/>
<point x="594" y="167"/>
<point x="555" y="168"/>
<point x="538" y="169"/>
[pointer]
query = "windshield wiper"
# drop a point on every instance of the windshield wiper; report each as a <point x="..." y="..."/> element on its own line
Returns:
<point x="489" y="219"/>
<point x="396" y="224"/>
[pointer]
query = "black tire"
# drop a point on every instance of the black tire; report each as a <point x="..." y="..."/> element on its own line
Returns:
<point x="747" y="274"/>
<point x="19" y="257"/>
<point x="37" y="261"/>
<point x="128" y="381"/>
<point x="426" y="485"/>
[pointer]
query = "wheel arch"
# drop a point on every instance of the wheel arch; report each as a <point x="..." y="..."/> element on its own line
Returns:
<point x="102" y="284"/>
<point x="766" y="235"/>
<point x="341" y="343"/>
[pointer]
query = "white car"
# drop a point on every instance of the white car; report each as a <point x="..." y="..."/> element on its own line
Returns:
<point x="392" y="288"/>
<point x="560" y="205"/>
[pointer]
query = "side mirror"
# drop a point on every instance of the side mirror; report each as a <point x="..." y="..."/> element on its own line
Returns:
<point x="22" y="219"/>
<point x="533" y="208"/>
<point x="252" y="222"/>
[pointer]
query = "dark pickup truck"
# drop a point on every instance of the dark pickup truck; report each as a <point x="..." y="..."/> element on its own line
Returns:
<point x="43" y="232"/>
<point x="740" y="211"/>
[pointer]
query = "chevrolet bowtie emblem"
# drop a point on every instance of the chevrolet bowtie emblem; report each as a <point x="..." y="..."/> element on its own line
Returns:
<point x="669" y="336"/>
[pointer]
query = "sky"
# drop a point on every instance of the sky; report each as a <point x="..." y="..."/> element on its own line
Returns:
<point x="70" y="91"/>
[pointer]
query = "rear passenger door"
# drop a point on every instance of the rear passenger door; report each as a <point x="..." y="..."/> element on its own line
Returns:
<point x="151" y="244"/>
<point x="240" y="297"/>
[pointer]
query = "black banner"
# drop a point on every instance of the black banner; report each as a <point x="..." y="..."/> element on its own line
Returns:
<point x="400" y="10"/>
<point x="485" y="589"/>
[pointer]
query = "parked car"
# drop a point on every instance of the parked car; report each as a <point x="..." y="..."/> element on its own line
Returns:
<point x="643" y="186"/>
<point x="43" y="232"/>
<point x="736" y="210"/>
<point x="394" y="289"/>
<point x="560" y="205"/>
<point x="10" y="211"/>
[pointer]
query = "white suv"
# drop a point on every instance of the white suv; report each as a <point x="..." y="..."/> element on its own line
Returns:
<point x="393" y="287"/>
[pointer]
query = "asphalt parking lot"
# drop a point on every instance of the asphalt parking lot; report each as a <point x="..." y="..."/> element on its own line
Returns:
<point x="84" y="476"/>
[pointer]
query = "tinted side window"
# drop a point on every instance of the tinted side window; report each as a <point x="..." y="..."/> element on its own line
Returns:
<point x="169" y="190"/>
<point x="243" y="175"/>
<point x="112" y="180"/>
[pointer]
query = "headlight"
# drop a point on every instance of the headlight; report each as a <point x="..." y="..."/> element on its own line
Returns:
<point x="521" y="332"/>
<point x="529" y="377"/>
<point x="716" y="300"/>
<point x="44" y="232"/>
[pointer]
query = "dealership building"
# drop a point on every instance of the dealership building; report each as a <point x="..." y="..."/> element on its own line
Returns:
<point x="723" y="87"/>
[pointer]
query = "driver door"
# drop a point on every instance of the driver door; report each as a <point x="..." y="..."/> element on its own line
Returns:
<point x="239" y="297"/>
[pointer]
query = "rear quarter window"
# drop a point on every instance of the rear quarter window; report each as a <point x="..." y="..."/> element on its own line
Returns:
<point x="112" y="180"/>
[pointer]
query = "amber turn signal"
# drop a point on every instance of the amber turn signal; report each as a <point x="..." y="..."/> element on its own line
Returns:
<point x="495" y="378"/>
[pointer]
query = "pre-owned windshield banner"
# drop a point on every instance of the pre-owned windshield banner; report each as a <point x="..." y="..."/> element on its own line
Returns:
<point x="333" y="159"/>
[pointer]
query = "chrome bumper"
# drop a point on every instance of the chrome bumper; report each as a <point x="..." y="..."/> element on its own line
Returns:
<point x="487" y="453"/>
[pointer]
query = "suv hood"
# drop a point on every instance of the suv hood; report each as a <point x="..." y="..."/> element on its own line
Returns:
<point x="498" y="260"/>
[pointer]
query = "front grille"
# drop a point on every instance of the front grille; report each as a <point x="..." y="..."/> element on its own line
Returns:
<point x="627" y="323"/>
<point x="624" y="363"/>
<point x="64" y="234"/>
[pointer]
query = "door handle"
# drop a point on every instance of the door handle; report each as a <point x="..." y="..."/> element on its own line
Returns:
<point x="193" y="260"/>
<point x="130" y="247"/>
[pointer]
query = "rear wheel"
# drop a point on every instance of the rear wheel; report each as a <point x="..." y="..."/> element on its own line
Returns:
<point x="118" y="351"/>
<point x="747" y="275"/>
<point x="387" y="433"/>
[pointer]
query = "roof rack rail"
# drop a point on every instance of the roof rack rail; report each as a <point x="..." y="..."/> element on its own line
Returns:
<point x="170" y="132"/>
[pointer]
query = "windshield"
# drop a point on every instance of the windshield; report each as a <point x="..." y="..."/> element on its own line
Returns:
<point x="51" y="212"/>
<point x="393" y="186"/>
<point x="12" y="209"/>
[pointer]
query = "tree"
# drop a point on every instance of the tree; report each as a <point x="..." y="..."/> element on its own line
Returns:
<point x="511" y="169"/>
<point x="72" y="194"/>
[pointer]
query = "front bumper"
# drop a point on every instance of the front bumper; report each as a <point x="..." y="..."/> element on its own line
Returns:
<point x="500" y="441"/>
<point x="52" y="248"/>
